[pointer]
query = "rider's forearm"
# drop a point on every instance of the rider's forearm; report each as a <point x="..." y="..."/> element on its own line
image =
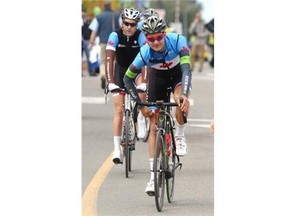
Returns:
<point x="145" y="74"/>
<point x="186" y="74"/>
<point x="128" y="81"/>
<point x="109" y="65"/>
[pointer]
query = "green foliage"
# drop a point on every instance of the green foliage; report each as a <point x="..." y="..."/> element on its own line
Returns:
<point x="188" y="9"/>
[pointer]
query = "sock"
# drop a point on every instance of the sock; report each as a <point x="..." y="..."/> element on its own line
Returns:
<point x="140" y="121"/>
<point x="117" y="141"/>
<point x="179" y="129"/>
<point x="151" y="161"/>
<point x="140" y="117"/>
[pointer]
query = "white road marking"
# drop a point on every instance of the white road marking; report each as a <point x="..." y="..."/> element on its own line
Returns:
<point x="94" y="100"/>
<point x="199" y="125"/>
<point x="101" y="100"/>
<point x="199" y="120"/>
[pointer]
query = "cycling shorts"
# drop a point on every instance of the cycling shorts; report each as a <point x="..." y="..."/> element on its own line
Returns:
<point x="119" y="73"/>
<point x="160" y="80"/>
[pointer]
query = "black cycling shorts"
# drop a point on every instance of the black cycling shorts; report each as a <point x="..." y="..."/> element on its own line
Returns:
<point x="160" y="80"/>
<point x="119" y="73"/>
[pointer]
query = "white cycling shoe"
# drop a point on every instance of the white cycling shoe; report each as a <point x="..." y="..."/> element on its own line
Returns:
<point x="117" y="157"/>
<point x="150" y="188"/>
<point x="141" y="132"/>
<point x="181" y="145"/>
<point x="141" y="126"/>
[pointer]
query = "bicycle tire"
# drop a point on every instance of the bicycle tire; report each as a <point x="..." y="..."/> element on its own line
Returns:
<point x="147" y="130"/>
<point x="126" y="147"/>
<point x="159" y="174"/>
<point x="170" y="181"/>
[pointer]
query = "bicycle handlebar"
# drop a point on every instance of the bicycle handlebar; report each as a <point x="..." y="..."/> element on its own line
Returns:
<point x="125" y="90"/>
<point x="161" y="104"/>
<point x="158" y="104"/>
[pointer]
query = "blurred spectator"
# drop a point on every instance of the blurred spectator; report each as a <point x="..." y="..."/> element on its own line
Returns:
<point x="86" y="32"/>
<point x="197" y="28"/>
<point x="102" y="25"/>
<point x="210" y="27"/>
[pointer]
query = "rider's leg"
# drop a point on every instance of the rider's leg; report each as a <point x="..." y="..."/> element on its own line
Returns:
<point x="118" y="100"/>
<point x="181" y="146"/>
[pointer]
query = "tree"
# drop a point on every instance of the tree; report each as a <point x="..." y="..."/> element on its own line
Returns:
<point x="188" y="9"/>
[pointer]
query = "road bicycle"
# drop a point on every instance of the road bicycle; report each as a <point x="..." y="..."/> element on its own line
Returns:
<point x="129" y="128"/>
<point x="166" y="161"/>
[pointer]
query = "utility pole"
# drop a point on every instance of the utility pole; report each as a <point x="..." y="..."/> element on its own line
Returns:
<point x="177" y="25"/>
<point x="177" y="11"/>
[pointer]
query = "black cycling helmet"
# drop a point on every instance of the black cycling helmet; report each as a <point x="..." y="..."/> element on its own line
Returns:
<point x="130" y="13"/>
<point x="153" y="24"/>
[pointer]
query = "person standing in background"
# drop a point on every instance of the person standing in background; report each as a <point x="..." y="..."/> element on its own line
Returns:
<point x="198" y="29"/>
<point x="86" y="32"/>
<point x="102" y="25"/>
<point x="210" y="28"/>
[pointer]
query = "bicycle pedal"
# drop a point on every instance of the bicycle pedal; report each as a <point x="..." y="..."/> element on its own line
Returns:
<point x="168" y="175"/>
<point x="131" y="147"/>
<point x="150" y="193"/>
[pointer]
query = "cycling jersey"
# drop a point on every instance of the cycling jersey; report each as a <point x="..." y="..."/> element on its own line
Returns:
<point x="126" y="47"/>
<point x="175" y="52"/>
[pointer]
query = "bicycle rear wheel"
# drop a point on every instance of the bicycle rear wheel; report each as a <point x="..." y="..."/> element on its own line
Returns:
<point x="159" y="174"/>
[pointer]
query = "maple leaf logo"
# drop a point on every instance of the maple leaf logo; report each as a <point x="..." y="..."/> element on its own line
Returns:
<point x="185" y="48"/>
<point x="165" y="65"/>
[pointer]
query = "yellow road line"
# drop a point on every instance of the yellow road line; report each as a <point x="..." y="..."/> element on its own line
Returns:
<point x="89" y="199"/>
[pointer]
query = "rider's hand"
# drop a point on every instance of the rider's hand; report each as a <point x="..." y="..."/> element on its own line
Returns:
<point x="146" y="112"/>
<point x="212" y="126"/>
<point x="112" y="86"/>
<point x="142" y="87"/>
<point x="185" y="104"/>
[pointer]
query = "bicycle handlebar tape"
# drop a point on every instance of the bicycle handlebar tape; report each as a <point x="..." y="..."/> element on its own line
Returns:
<point x="183" y="113"/>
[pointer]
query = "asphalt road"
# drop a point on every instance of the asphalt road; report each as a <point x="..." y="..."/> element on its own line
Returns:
<point x="106" y="191"/>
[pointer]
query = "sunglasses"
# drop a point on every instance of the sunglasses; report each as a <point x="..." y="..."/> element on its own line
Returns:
<point x="158" y="37"/>
<point x="131" y="24"/>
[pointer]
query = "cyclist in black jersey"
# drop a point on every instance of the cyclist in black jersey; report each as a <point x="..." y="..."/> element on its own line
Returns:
<point x="168" y="55"/>
<point x="123" y="45"/>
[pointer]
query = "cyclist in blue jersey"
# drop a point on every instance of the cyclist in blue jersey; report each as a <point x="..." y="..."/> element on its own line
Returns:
<point x="123" y="45"/>
<point x="147" y="13"/>
<point x="168" y="55"/>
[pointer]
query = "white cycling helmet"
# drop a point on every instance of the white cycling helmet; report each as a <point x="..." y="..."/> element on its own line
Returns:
<point x="153" y="24"/>
<point x="130" y="13"/>
<point x="150" y="12"/>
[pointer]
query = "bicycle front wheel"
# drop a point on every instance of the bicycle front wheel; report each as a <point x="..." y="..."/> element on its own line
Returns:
<point x="170" y="177"/>
<point x="126" y="150"/>
<point x="159" y="174"/>
<point x="147" y="130"/>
